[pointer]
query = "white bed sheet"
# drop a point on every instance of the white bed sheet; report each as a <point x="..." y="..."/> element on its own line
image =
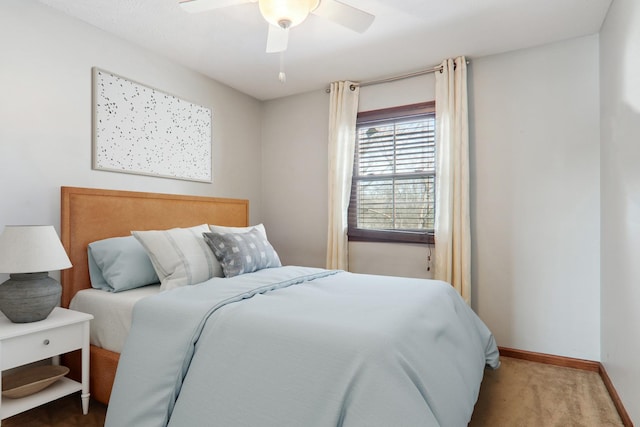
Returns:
<point x="111" y="313"/>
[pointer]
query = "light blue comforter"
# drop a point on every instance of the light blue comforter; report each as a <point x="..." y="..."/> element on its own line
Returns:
<point x="296" y="346"/>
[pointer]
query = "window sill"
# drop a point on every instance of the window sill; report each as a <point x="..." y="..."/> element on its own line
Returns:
<point x="379" y="236"/>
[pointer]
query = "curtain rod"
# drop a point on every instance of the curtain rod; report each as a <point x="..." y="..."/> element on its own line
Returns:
<point x="396" y="78"/>
<point x="400" y="77"/>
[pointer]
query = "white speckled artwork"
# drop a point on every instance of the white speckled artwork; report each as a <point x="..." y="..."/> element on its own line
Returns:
<point x="141" y="130"/>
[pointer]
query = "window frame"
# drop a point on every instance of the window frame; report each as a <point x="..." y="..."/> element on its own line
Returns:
<point x="356" y="234"/>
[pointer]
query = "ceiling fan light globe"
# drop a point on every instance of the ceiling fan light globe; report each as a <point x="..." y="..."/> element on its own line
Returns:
<point x="291" y="12"/>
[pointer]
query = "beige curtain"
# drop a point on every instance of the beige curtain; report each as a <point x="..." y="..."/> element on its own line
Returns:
<point x="452" y="224"/>
<point x="343" y="112"/>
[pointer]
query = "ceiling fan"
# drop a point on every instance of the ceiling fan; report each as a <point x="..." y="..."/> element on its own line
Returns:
<point x="285" y="14"/>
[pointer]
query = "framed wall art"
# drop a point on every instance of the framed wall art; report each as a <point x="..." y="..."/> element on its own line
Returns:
<point x="141" y="130"/>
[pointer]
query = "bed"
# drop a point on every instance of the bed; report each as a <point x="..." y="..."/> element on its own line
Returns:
<point x="286" y="345"/>
<point x="89" y="214"/>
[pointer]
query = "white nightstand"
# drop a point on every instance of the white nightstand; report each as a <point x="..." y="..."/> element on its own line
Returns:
<point x="22" y="343"/>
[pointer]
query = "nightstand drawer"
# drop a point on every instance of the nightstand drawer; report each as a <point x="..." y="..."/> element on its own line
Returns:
<point x="29" y="348"/>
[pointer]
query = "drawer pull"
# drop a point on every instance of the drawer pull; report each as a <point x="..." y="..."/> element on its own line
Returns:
<point x="46" y="342"/>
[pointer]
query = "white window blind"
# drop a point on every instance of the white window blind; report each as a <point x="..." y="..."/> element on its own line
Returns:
<point x="393" y="187"/>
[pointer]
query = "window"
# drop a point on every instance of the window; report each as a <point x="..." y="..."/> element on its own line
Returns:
<point x="393" y="187"/>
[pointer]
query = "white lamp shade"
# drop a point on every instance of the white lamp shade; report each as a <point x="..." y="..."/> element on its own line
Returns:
<point x="293" y="12"/>
<point x="31" y="249"/>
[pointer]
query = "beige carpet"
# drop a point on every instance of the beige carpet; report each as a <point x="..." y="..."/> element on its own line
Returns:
<point x="522" y="393"/>
<point x="519" y="394"/>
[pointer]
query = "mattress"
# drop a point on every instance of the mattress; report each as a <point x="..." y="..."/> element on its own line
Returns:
<point x="111" y="313"/>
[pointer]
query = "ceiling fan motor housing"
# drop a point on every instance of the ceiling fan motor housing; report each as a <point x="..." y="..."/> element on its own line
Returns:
<point x="286" y="13"/>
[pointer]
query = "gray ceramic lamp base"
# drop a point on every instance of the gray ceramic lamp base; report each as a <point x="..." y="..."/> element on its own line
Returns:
<point x="29" y="297"/>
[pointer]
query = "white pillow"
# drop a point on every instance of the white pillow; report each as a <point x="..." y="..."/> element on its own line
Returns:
<point x="180" y="256"/>
<point x="223" y="229"/>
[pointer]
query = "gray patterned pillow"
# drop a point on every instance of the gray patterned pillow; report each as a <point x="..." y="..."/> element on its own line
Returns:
<point x="240" y="253"/>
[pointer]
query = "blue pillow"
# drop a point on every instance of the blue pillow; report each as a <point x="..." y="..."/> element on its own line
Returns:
<point x="119" y="264"/>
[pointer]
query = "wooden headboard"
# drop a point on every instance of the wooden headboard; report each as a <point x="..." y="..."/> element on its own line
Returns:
<point x="89" y="214"/>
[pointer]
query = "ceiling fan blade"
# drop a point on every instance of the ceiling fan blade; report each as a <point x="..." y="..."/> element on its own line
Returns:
<point x="277" y="39"/>
<point x="345" y="15"/>
<point x="195" y="6"/>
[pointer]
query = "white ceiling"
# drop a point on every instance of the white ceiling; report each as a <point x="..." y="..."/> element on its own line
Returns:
<point x="228" y="44"/>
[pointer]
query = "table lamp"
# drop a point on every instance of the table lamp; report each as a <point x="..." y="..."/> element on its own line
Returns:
<point x="28" y="253"/>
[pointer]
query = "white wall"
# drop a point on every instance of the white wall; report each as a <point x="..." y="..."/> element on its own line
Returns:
<point x="535" y="197"/>
<point x="620" y="160"/>
<point x="294" y="177"/>
<point x="45" y="115"/>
